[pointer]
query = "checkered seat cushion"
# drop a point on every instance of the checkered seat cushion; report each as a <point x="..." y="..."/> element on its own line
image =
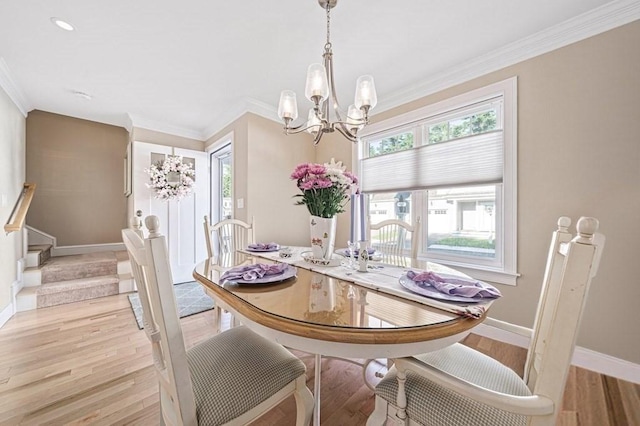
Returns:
<point x="433" y="405"/>
<point x="236" y="370"/>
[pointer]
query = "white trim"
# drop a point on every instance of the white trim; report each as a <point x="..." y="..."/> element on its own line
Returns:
<point x="582" y="357"/>
<point x="591" y="23"/>
<point x="157" y="126"/>
<point x="16" y="287"/>
<point x="42" y="237"/>
<point x="220" y="142"/>
<point x="13" y="90"/>
<point x="36" y="236"/>
<point x="248" y="105"/>
<point x="502" y="269"/>
<point x="89" y="248"/>
<point x="7" y="313"/>
<point x="604" y="18"/>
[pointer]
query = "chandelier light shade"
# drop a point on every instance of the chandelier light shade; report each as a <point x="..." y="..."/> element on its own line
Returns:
<point x="326" y="116"/>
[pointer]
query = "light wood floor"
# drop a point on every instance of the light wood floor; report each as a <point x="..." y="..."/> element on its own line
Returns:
<point x="87" y="363"/>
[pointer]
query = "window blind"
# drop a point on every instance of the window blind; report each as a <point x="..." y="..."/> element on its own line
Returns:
<point x="472" y="160"/>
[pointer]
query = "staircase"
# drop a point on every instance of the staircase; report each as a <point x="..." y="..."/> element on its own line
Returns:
<point x="50" y="281"/>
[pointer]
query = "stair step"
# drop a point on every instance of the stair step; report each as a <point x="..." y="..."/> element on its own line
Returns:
<point x="38" y="254"/>
<point x="69" y="291"/>
<point x="65" y="268"/>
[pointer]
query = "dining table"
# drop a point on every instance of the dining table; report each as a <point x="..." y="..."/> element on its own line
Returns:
<point x="332" y="309"/>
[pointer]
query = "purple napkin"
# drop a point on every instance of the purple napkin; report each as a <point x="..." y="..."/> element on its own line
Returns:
<point x="264" y="246"/>
<point x="457" y="286"/>
<point x="253" y="272"/>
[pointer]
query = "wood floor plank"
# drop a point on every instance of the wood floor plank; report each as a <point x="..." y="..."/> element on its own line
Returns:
<point x="88" y="363"/>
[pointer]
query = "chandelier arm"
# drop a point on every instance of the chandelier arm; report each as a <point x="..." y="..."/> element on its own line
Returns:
<point x="317" y="137"/>
<point x="345" y="132"/>
<point x="302" y="127"/>
<point x="328" y="64"/>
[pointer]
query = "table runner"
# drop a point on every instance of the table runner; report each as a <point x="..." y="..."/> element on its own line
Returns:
<point x="380" y="277"/>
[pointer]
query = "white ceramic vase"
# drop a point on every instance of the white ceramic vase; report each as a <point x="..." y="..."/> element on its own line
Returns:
<point x="323" y="236"/>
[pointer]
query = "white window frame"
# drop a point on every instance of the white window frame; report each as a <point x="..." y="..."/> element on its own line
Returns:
<point x="504" y="271"/>
<point x="224" y="144"/>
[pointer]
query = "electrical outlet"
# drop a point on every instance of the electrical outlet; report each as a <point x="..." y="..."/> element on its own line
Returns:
<point x="240" y="203"/>
<point x="3" y="200"/>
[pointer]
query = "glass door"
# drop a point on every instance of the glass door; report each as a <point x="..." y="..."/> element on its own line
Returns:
<point x="221" y="184"/>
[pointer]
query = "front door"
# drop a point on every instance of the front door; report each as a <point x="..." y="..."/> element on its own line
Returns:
<point x="180" y="220"/>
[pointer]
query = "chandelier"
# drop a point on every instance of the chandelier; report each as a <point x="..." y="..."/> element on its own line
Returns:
<point x="326" y="115"/>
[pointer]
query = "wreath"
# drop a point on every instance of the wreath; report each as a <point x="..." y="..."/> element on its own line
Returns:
<point x="171" y="179"/>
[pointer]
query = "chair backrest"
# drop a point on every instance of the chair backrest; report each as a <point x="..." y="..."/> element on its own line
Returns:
<point x="571" y="264"/>
<point x="390" y="240"/>
<point x="152" y="273"/>
<point x="231" y="234"/>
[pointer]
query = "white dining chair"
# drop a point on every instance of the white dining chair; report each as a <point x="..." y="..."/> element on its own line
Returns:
<point x="388" y="238"/>
<point x="231" y="378"/>
<point x="461" y="386"/>
<point x="229" y="235"/>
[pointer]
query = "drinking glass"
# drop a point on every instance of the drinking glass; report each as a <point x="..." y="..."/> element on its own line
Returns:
<point x="351" y="251"/>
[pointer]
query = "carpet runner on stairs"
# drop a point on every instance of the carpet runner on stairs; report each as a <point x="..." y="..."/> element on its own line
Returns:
<point x="68" y="279"/>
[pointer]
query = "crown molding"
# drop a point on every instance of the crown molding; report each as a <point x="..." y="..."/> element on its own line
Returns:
<point x="13" y="90"/>
<point x="604" y="18"/>
<point x="591" y="23"/>
<point x="247" y="105"/>
<point x="145" y="123"/>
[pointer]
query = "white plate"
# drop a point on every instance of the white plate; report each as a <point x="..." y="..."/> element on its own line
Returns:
<point x="289" y="272"/>
<point x="308" y="257"/>
<point x="263" y="250"/>
<point x="431" y="292"/>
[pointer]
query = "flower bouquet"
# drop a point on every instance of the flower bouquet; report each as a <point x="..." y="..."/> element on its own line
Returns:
<point x="325" y="191"/>
<point x="325" y="187"/>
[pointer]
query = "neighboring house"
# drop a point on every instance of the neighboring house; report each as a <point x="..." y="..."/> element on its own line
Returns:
<point x="578" y="154"/>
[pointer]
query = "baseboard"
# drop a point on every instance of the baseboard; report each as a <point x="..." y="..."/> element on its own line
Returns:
<point x="6" y="314"/>
<point x="582" y="357"/>
<point x="84" y="249"/>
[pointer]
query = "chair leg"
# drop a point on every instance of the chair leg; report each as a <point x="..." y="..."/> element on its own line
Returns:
<point x="217" y="318"/>
<point x="379" y="415"/>
<point x="304" y="402"/>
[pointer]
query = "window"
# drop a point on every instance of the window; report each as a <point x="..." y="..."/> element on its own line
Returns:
<point x="221" y="183"/>
<point x="453" y="165"/>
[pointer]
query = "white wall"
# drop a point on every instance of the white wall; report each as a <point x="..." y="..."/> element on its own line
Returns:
<point x="12" y="175"/>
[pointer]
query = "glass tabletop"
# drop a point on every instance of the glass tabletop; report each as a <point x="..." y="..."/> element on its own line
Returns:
<point x="315" y="299"/>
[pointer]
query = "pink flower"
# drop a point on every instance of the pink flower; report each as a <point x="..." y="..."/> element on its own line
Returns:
<point x="300" y="171"/>
<point x="317" y="169"/>
<point x="323" y="183"/>
<point x="315" y="183"/>
<point x="325" y="187"/>
<point x="351" y="176"/>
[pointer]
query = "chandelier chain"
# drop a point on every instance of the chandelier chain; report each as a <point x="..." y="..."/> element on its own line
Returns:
<point x="328" y="45"/>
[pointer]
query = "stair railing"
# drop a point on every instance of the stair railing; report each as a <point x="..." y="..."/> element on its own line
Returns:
<point x="20" y="209"/>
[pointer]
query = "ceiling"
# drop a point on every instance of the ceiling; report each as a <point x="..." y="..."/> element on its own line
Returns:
<point x="189" y="68"/>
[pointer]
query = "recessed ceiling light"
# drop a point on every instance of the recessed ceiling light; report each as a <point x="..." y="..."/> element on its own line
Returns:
<point x="62" y="24"/>
<point x="82" y="95"/>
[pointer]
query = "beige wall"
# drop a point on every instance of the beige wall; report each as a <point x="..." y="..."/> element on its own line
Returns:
<point x="578" y="154"/>
<point x="12" y="179"/>
<point x="272" y="158"/>
<point x="151" y="136"/>
<point x="78" y="168"/>
<point x="263" y="159"/>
